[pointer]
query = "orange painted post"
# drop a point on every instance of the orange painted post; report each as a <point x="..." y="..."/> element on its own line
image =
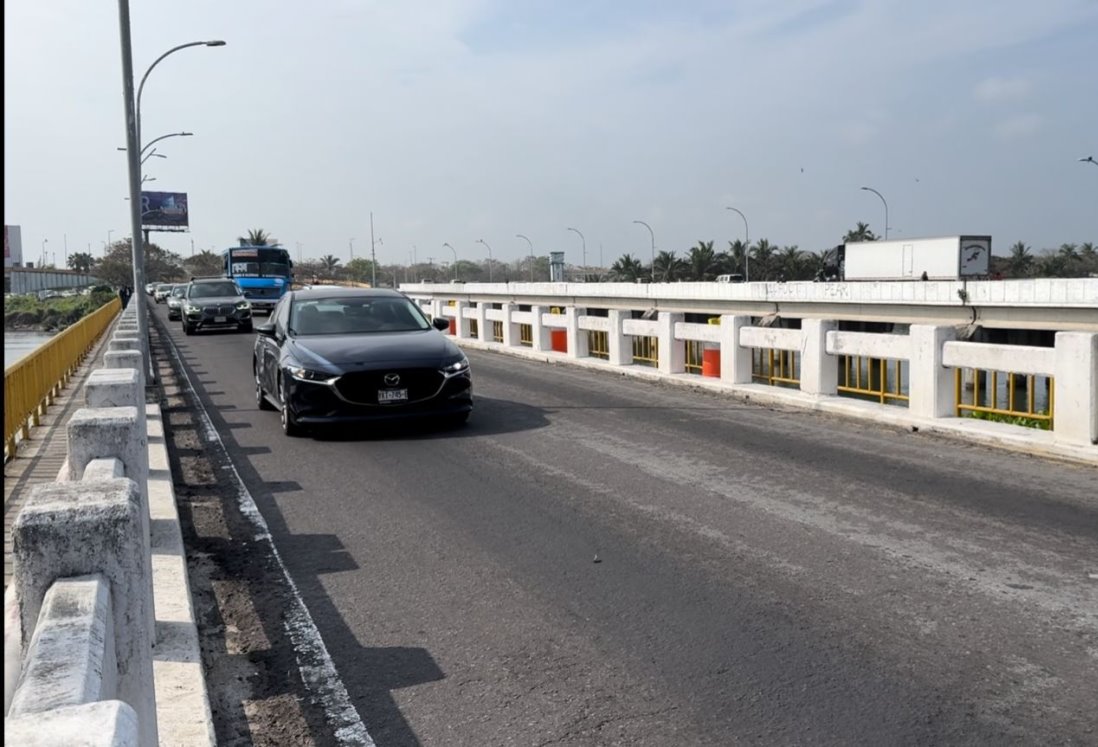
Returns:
<point x="558" y="338"/>
<point x="711" y="354"/>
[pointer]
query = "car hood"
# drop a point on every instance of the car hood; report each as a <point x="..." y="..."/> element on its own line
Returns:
<point x="215" y="300"/>
<point x="377" y="350"/>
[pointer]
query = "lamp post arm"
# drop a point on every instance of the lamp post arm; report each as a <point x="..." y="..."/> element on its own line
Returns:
<point x="141" y="86"/>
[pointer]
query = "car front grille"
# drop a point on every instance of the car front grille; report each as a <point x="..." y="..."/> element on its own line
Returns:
<point x="222" y="310"/>
<point x="361" y="387"/>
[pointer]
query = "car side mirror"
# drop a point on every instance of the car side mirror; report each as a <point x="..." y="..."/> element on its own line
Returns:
<point x="266" y="330"/>
<point x="440" y="323"/>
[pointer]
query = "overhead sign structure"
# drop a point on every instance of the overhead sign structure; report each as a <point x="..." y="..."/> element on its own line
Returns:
<point x="164" y="210"/>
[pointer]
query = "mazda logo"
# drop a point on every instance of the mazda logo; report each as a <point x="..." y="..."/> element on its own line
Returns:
<point x="392" y="379"/>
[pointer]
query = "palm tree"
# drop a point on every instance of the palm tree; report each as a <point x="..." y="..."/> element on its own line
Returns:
<point x="81" y="261"/>
<point x="329" y="263"/>
<point x="860" y="233"/>
<point x="704" y="262"/>
<point x="667" y="267"/>
<point x="1020" y="263"/>
<point x="762" y="260"/>
<point x="627" y="269"/>
<point x="735" y="259"/>
<point x="789" y="263"/>
<point x="258" y="237"/>
<point x="204" y="264"/>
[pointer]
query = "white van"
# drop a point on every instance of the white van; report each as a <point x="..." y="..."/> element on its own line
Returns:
<point x="735" y="277"/>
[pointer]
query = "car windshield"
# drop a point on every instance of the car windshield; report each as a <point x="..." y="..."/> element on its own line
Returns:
<point x="213" y="290"/>
<point x="179" y="290"/>
<point x="352" y="316"/>
<point x="163" y="287"/>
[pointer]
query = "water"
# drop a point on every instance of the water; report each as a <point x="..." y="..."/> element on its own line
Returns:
<point x="17" y="345"/>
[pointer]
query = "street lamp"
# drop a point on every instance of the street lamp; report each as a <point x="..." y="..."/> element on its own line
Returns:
<point x="747" y="246"/>
<point x="870" y="189"/>
<point x="482" y="241"/>
<point x="531" y="245"/>
<point x="576" y="230"/>
<point x="455" y="258"/>
<point x="42" y="259"/>
<point x="162" y="137"/>
<point x="653" y="235"/>
<point x="141" y="86"/>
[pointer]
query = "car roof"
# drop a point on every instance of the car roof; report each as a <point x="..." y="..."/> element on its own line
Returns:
<point x="334" y="291"/>
<point x="212" y="280"/>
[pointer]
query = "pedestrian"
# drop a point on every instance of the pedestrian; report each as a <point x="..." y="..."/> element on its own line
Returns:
<point x="123" y="296"/>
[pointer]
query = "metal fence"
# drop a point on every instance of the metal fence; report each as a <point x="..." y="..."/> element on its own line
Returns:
<point x="32" y="384"/>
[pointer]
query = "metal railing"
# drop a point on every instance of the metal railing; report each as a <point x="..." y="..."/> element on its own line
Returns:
<point x="775" y="367"/>
<point x="646" y="351"/>
<point x="31" y="385"/>
<point x="694" y="353"/>
<point x="598" y="344"/>
<point x="988" y="400"/>
<point x="526" y="335"/>
<point x="497" y="331"/>
<point x="880" y="379"/>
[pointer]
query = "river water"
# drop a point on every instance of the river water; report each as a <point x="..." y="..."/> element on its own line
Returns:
<point x="19" y="344"/>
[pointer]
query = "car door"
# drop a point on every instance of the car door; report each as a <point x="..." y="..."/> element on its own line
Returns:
<point x="272" y="347"/>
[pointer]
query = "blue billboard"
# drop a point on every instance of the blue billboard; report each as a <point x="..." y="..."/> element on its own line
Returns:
<point x="164" y="210"/>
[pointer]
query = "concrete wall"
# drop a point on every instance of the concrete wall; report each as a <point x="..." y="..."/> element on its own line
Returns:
<point x="931" y="352"/>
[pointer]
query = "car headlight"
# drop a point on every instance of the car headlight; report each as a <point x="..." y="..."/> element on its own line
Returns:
<point x="243" y="305"/>
<point x="456" y="366"/>
<point x="191" y="308"/>
<point x="307" y="374"/>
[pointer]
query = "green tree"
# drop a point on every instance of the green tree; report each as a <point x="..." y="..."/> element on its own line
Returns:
<point x="258" y="237"/>
<point x="360" y="270"/>
<point x="668" y="268"/>
<point x="204" y="264"/>
<point x="735" y="259"/>
<point x="81" y="261"/>
<point x="116" y="268"/>
<point x="627" y="269"/>
<point x="790" y="264"/>
<point x="762" y="260"/>
<point x="329" y="265"/>
<point x="704" y="261"/>
<point x="860" y="233"/>
<point x="1020" y="263"/>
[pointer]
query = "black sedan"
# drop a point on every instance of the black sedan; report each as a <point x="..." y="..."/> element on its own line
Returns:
<point x="358" y="356"/>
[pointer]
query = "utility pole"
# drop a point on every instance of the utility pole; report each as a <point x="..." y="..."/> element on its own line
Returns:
<point x="373" y="254"/>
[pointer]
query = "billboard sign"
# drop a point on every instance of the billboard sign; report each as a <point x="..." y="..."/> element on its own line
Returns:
<point x="164" y="210"/>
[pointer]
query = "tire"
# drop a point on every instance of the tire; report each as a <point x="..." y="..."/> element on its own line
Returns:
<point x="188" y="329"/>
<point x="261" y="400"/>
<point x="290" y="426"/>
<point x="245" y="327"/>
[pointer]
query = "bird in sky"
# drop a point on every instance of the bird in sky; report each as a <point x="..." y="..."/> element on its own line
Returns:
<point x="1089" y="159"/>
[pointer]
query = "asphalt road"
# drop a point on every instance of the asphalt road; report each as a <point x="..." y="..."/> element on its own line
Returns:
<point x="600" y="560"/>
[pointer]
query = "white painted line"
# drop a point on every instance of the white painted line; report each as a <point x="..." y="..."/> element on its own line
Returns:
<point x="318" y="672"/>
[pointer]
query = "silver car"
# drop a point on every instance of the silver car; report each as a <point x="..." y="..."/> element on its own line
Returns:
<point x="214" y="303"/>
<point x="175" y="302"/>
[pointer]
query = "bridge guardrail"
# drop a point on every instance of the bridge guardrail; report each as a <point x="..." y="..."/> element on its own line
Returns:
<point x="31" y="384"/>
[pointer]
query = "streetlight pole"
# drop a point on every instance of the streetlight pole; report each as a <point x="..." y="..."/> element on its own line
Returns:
<point x="42" y="258"/>
<point x="531" y="245"/>
<point x="653" y="235"/>
<point x="747" y="246"/>
<point x="373" y="253"/>
<point x="141" y="87"/>
<point x="455" y="258"/>
<point x="133" y="157"/>
<point x="870" y="189"/>
<point x="576" y="230"/>
<point x="351" y="245"/>
<point x="482" y="241"/>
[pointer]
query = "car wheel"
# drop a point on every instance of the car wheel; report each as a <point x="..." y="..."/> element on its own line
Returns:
<point x="289" y="424"/>
<point x="261" y="400"/>
<point x="188" y="329"/>
<point x="245" y="327"/>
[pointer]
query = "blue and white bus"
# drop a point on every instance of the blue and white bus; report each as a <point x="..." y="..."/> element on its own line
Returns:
<point x="262" y="272"/>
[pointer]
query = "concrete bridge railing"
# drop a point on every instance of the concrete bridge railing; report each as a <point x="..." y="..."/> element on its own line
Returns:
<point x="79" y="618"/>
<point x="936" y="356"/>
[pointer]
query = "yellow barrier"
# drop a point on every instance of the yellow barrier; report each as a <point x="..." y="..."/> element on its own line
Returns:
<point x="32" y="384"/>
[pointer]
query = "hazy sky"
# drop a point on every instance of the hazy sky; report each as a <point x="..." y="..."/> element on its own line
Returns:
<point x="456" y="120"/>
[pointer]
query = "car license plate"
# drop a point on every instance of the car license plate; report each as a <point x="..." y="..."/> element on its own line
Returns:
<point x="392" y="395"/>
<point x="220" y="320"/>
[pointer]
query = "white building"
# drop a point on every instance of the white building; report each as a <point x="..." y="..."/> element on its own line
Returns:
<point x="13" y="246"/>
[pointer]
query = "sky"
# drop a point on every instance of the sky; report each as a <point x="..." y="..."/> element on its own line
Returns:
<point x="453" y="121"/>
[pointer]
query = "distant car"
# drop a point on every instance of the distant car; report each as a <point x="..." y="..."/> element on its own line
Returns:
<point x="212" y="303"/>
<point x="175" y="301"/>
<point x="162" y="291"/>
<point x="358" y="356"/>
<point x="149" y="288"/>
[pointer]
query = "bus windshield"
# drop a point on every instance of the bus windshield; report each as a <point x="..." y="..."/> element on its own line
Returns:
<point x="255" y="261"/>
